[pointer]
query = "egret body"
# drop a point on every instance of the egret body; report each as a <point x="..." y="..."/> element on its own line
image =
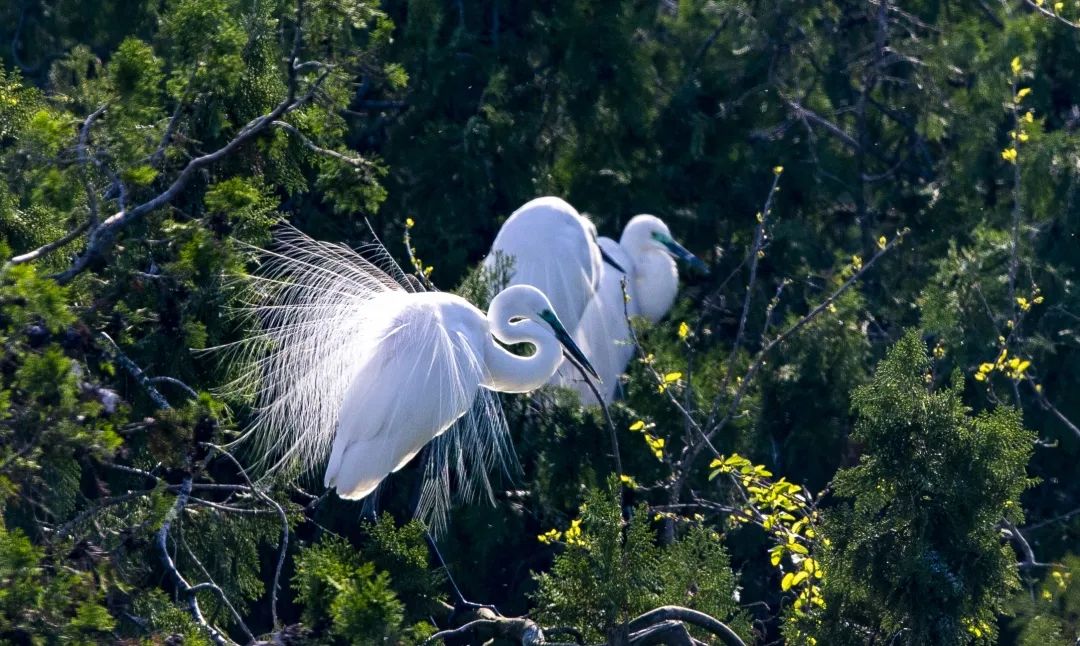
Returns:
<point x="350" y="360"/>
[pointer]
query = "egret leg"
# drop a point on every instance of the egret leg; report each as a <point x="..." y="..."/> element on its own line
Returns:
<point x="460" y="602"/>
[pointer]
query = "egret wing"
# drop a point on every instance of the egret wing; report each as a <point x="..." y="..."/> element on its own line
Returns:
<point x="553" y="251"/>
<point x="414" y="384"/>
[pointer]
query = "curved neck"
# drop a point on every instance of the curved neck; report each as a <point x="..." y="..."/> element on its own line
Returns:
<point x="656" y="282"/>
<point x="510" y="373"/>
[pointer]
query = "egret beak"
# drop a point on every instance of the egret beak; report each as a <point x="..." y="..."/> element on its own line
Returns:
<point x="611" y="261"/>
<point x="568" y="342"/>
<point x="681" y="252"/>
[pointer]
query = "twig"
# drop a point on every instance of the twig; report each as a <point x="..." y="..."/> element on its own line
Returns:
<point x="759" y="361"/>
<point x="1057" y="519"/>
<point x="356" y="162"/>
<point x="276" y="584"/>
<point x="170" y="565"/>
<point x="211" y="585"/>
<point x="137" y="372"/>
<point x="1025" y="548"/>
<point x="755" y="256"/>
<point x="1045" y="403"/>
<point x="46" y="249"/>
<point x="176" y="382"/>
<point x="84" y="136"/>
<point x="1046" y="12"/>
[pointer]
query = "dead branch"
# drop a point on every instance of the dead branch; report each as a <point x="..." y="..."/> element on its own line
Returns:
<point x="687" y="616"/>
<point x="170" y="566"/>
<point x="356" y="162"/>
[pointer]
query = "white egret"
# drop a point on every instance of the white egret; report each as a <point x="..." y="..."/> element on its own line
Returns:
<point x="352" y="361"/>
<point x="554" y="249"/>
<point x="646" y="250"/>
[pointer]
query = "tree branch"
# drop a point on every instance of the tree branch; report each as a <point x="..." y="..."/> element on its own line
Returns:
<point x="102" y="237"/>
<point x="356" y="162"/>
<point x="170" y="565"/>
<point x="686" y="615"/>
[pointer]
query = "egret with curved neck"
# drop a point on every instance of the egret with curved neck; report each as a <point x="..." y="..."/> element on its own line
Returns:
<point x="353" y="362"/>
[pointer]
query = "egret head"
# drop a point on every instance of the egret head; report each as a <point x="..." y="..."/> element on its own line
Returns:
<point x="525" y="302"/>
<point x="647" y="233"/>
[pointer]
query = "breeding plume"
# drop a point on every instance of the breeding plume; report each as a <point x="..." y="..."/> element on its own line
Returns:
<point x="351" y="361"/>
<point x="553" y="248"/>
<point x="646" y="250"/>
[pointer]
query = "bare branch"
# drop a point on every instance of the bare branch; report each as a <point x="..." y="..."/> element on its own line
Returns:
<point x="176" y="382"/>
<point x="211" y="585"/>
<point x="356" y="162"/>
<point x="1025" y="548"/>
<point x="84" y="136"/>
<point x="137" y="372"/>
<point x="830" y="127"/>
<point x="46" y="249"/>
<point x="686" y="615"/>
<point x="755" y="256"/>
<point x="520" y="629"/>
<point x="170" y="566"/>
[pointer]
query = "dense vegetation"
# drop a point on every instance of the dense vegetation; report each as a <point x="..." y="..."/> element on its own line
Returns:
<point x="858" y="428"/>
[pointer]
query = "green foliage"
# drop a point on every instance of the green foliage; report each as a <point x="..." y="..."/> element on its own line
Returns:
<point x="914" y="553"/>
<point x="1048" y="611"/>
<point x="613" y="570"/>
<point x="43" y="600"/>
<point x="887" y="116"/>
<point x="353" y="600"/>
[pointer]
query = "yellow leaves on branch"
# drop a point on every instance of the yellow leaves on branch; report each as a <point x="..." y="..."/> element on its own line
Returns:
<point x="572" y="536"/>
<point x="667" y="380"/>
<point x="684" y="331"/>
<point x="549" y="536"/>
<point x="1016" y="66"/>
<point x="1009" y="155"/>
<point x="656" y="445"/>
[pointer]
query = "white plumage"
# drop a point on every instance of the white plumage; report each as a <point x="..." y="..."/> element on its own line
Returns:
<point x="352" y="362"/>
<point x="553" y="249"/>
<point x="645" y="250"/>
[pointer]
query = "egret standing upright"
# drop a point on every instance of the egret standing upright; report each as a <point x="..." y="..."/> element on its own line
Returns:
<point x="646" y="250"/>
<point x="352" y="361"/>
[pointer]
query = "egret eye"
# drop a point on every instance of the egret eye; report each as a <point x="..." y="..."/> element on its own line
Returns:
<point x="517" y="319"/>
